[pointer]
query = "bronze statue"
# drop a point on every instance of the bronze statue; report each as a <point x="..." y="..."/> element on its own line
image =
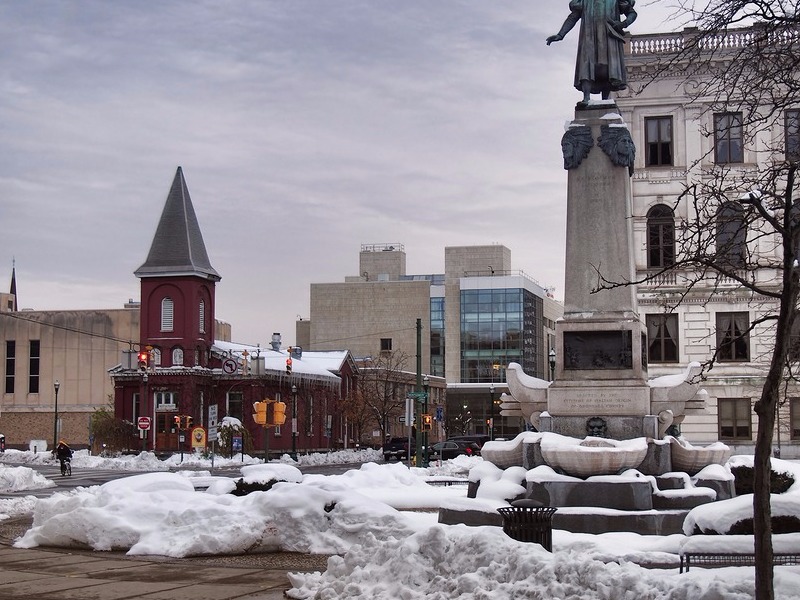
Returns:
<point x="575" y="146"/>
<point x="600" y="66"/>
<point x="618" y="145"/>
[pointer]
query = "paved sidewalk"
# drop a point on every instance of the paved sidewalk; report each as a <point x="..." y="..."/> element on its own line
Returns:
<point x="52" y="574"/>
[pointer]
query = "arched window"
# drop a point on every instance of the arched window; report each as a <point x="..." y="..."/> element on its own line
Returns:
<point x="202" y="316"/>
<point x="731" y="235"/>
<point x="177" y="357"/>
<point x="167" y="314"/>
<point x="660" y="237"/>
<point x="156" y="354"/>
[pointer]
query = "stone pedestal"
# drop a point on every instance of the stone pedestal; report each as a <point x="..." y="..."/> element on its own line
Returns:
<point x="601" y="346"/>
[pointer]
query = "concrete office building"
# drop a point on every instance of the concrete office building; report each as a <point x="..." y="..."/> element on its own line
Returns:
<point x="477" y="316"/>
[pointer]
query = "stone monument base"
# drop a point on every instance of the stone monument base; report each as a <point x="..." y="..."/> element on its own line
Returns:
<point x="618" y="427"/>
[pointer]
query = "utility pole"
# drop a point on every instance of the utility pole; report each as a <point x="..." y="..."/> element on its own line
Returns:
<point x="420" y="396"/>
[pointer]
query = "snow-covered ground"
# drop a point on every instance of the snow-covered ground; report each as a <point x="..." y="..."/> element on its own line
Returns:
<point x="380" y="523"/>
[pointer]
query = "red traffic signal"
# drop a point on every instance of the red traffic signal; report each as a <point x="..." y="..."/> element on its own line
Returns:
<point x="143" y="360"/>
<point x="289" y="366"/>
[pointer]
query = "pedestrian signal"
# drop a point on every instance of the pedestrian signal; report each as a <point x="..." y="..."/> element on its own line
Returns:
<point x="427" y="422"/>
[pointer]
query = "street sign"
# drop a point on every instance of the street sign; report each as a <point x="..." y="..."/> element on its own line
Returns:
<point x="419" y="395"/>
<point x="143" y="423"/>
<point x="212" y="423"/>
<point x="229" y="366"/>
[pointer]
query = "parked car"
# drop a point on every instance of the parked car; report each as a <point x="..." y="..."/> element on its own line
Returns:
<point x="478" y="439"/>
<point x="452" y="448"/>
<point x="398" y="448"/>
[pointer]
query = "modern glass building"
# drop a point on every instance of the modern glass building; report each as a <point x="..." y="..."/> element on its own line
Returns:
<point x="498" y="326"/>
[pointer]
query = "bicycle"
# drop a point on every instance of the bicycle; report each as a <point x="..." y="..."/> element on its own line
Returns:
<point x="66" y="467"/>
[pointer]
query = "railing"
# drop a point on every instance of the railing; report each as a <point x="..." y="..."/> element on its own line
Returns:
<point x="383" y="247"/>
<point x="733" y="39"/>
<point x="681" y="278"/>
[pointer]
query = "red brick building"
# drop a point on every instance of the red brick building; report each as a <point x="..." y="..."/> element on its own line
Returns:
<point x="189" y="371"/>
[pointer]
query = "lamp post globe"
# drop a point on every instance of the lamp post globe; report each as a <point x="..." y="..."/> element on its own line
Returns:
<point x="552" y="358"/>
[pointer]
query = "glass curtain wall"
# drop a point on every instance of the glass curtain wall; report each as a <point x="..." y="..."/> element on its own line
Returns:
<point x="437" y="337"/>
<point x="498" y="327"/>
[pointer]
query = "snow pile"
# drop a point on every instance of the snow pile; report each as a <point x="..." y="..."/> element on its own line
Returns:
<point x="22" y="478"/>
<point x="16" y="507"/>
<point x="160" y="513"/>
<point x="144" y="461"/>
<point x="464" y="563"/>
<point x="338" y="457"/>
<point x="719" y="517"/>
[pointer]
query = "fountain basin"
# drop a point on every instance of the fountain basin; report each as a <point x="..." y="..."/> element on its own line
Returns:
<point x="595" y="456"/>
<point x="693" y="459"/>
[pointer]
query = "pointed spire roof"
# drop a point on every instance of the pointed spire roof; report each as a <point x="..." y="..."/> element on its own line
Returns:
<point x="178" y="247"/>
<point x="13" y="290"/>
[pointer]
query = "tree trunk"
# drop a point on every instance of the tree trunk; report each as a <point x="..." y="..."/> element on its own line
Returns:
<point x="762" y="511"/>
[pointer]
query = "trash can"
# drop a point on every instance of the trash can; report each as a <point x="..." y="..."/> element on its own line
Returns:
<point x="529" y="521"/>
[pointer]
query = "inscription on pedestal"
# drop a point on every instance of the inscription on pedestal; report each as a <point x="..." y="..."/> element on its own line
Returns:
<point x="598" y="401"/>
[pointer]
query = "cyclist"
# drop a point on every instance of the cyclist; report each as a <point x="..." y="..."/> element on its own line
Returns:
<point x="64" y="456"/>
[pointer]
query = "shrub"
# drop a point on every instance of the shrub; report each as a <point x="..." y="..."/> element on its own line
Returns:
<point x="743" y="480"/>
<point x="242" y="488"/>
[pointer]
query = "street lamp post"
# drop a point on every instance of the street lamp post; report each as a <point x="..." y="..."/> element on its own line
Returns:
<point x="491" y="412"/>
<point x="142" y="408"/>
<point x="56" y="385"/>
<point x="425" y="384"/>
<point x="294" y="422"/>
<point x="552" y="356"/>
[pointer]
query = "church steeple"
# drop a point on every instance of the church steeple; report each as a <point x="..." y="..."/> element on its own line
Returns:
<point x="178" y="248"/>
<point x="13" y="290"/>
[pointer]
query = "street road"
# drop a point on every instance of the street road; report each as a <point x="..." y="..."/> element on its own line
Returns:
<point x="89" y="477"/>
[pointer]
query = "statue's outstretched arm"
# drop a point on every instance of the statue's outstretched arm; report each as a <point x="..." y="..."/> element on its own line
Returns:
<point x="569" y="23"/>
<point x="630" y="17"/>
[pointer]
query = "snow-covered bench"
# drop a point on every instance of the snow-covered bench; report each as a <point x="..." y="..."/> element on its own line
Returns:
<point x="728" y="559"/>
<point x="736" y="550"/>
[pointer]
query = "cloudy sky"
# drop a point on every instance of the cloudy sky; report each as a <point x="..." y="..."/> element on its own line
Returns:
<point x="305" y="128"/>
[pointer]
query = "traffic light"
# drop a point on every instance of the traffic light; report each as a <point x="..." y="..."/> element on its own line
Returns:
<point x="260" y="414"/>
<point x="427" y="422"/>
<point x="278" y="413"/>
<point x="177" y="420"/>
<point x="289" y="366"/>
<point x="189" y="421"/>
<point x="143" y="356"/>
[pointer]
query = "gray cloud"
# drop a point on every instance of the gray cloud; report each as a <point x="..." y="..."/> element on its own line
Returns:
<point x="304" y="127"/>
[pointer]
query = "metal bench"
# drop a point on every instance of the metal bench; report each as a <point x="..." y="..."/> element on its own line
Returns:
<point x="721" y="559"/>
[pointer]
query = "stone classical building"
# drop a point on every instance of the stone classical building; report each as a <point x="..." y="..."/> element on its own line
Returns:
<point x="476" y="318"/>
<point x="678" y="141"/>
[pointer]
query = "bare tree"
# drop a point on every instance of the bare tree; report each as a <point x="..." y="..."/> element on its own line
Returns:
<point x="743" y="61"/>
<point x="109" y="432"/>
<point x="382" y="384"/>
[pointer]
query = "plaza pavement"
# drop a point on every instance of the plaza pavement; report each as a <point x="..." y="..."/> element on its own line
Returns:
<point x="58" y="574"/>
